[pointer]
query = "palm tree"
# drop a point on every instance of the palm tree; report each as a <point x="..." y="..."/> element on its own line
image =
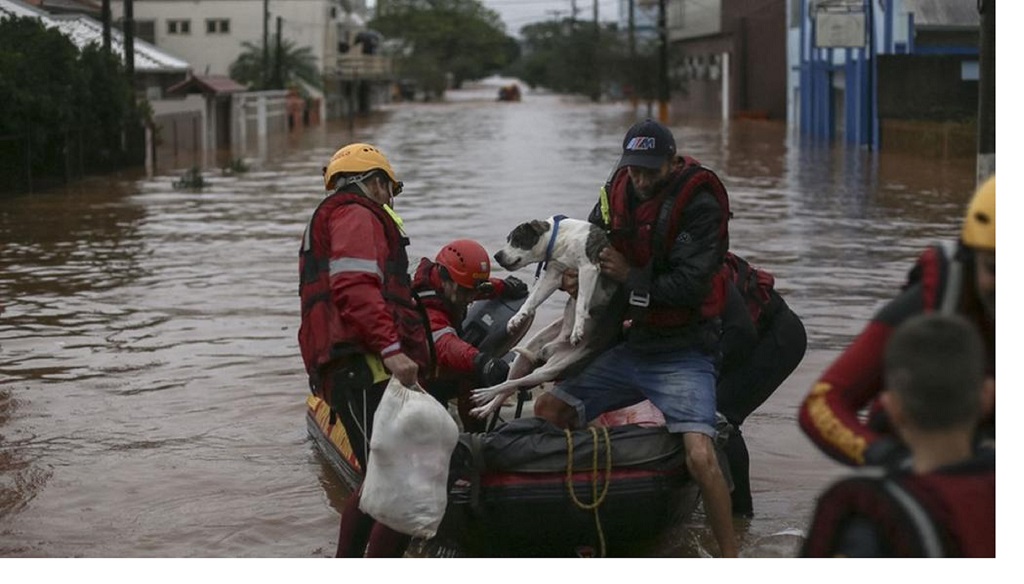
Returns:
<point x="287" y="65"/>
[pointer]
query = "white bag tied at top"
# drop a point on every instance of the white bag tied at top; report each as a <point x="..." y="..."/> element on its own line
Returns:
<point x="406" y="484"/>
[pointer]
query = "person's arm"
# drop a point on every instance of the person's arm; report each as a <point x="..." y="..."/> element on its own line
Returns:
<point x="829" y="414"/>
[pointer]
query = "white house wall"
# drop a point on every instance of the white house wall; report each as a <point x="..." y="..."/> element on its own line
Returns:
<point x="304" y="22"/>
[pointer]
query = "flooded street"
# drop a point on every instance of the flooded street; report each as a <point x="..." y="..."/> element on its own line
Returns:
<point x="152" y="397"/>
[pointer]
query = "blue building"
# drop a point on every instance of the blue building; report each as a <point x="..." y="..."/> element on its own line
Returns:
<point x="855" y="64"/>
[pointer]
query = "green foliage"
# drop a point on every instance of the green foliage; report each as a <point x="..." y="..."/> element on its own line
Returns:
<point x="442" y="38"/>
<point x="578" y="58"/>
<point x="192" y="180"/>
<point x="295" y="64"/>
<point x="62" y="105"/>
<point x="40" y="78"/>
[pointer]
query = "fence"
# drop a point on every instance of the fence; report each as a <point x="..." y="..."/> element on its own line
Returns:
<point x="39" y="159"/>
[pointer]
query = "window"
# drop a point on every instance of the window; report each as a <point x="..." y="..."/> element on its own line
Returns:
<point x="179" y="26"/>
<point x="218" y="26"/>
<point x="146" y="30"/>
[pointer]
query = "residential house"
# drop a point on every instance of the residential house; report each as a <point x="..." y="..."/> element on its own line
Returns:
<point x="211" y="33"/>
<point x="156" y="69"/>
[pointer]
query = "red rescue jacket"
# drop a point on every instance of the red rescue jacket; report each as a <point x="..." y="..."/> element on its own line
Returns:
<point x="355" y="287"/>
<point x="830" y="414"/>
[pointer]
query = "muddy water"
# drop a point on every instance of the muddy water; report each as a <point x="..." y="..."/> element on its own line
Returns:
<point x="151" y="392"/>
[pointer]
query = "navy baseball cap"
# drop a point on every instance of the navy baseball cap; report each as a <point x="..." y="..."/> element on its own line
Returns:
<point x="648" y="144"/>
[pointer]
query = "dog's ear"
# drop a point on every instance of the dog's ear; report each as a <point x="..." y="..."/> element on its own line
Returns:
<point x="541" y="227"/>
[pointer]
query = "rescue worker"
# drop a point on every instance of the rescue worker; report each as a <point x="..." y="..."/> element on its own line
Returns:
<point x="959" y="279"/>
<point x="360" y="323"/>
<point x="763" y="341"/>
<point x="458" y="275"/>
<point x="673" y="274"/>
<point x="943" y="502"/>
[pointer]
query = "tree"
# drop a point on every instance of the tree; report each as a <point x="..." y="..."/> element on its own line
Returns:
<point x="63" y="109"/>
<point x="460" y="38"/>
<point x="569" y="57"/>
<point x="295" y="64"/>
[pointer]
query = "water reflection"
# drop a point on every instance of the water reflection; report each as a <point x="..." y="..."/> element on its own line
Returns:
<point x="150" y="383"/>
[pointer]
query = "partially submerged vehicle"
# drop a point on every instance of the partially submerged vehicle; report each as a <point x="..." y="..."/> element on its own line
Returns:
<point x="528" y="488"/>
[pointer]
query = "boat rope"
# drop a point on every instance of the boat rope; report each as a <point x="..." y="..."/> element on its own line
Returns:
<point x="597" y="499"/>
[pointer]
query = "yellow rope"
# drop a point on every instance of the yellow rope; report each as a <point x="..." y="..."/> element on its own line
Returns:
<point x="597" y="499"/>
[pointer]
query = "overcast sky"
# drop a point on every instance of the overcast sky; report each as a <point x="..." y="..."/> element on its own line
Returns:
<point x="517" y="13"/>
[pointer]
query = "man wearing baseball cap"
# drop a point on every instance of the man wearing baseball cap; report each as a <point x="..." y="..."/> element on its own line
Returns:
<point x="668" y="225"/>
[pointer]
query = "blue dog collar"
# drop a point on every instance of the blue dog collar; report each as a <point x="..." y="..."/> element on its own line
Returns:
<point x="551" y="245"/>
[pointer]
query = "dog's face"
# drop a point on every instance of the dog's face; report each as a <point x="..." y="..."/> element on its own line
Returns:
<point x="526" y="244"/>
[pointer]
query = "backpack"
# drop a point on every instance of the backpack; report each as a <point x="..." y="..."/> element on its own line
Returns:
<point x="756" y="286"/>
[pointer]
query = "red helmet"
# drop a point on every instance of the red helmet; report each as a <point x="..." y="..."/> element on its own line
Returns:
<point x="466" y="262"/>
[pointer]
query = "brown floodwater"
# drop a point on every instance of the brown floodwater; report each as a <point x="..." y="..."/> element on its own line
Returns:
<point x="151" y="390"/>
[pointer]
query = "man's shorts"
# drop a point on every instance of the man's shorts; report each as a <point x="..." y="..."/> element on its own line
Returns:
<point x="680" y="383"/>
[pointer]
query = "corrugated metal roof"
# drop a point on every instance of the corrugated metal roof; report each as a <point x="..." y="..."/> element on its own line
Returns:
<point x="83" y="30"/>
<point x="211" y="84"/>
<point x="944" y="13"/>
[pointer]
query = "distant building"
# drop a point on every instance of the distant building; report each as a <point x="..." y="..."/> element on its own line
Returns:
<point x="862" y="70"/>
<point x="210" y="35"/>
<point x="727" y="58"/>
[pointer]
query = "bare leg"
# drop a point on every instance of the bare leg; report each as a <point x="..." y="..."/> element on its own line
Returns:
<point x="703" y="466"/>
<point x="555" y="411"/>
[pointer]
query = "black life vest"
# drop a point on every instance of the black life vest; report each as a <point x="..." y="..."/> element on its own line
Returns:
<point x="645" y="235"/>
<point x="322" y="339"/>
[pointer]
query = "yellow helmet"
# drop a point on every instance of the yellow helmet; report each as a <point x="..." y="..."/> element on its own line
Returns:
<point x="979" y="230"/>
<point x="357" y="158"/>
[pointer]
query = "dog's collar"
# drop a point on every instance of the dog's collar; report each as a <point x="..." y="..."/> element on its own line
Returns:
<point x="551" y="245"/>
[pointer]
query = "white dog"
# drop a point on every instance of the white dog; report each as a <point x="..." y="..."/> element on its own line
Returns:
<point x="555" y="245"/>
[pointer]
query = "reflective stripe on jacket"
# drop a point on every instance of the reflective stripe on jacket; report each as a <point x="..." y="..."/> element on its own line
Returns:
<point x="355" y="287"/>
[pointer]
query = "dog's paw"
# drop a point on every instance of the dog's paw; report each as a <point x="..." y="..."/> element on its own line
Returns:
<point x="517" y="321"/>
<point x="576" y="337"/>
<point x="481" y="395"/>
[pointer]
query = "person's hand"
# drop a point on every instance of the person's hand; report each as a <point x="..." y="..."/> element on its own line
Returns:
<point x="614" y="264"/>
<point x="570" y="282"/>
<point x="403" y="368"/>
<point x="491" y="371"/>
<point x="514" y="289"/>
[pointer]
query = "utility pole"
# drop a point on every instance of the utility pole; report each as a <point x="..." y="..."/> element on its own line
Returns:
<point x="663" y="92"/>
<point x="987" y="91"/>
<point x="266" y="48"/>
<point x="129" y="40"/>
<point x="572" y="19"/>
<point x="105" y="17"/>
<point x="278" y="76"/>
<point x="632" y="50"/>
<point x="596" y="96"/>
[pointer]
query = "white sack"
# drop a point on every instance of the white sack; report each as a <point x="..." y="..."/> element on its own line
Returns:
<point x="406" y="484"/>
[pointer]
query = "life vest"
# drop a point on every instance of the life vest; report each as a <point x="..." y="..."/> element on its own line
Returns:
<point x="948" y="513"/>
<point x="322" y="339"/>
<point x="645" y="235"/>
<point x="756" y="286"/>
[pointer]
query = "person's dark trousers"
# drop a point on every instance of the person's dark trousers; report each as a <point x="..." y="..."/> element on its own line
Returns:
<point x="743" y="389"/>
<point x="359" y="535"/>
